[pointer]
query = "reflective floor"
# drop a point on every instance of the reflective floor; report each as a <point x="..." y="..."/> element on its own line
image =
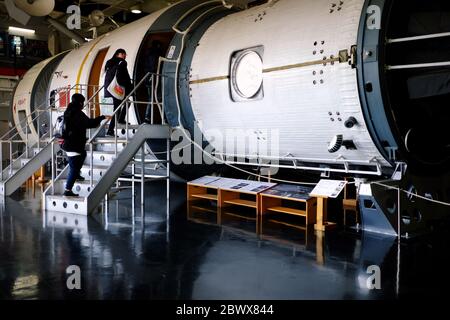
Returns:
<point x="138" y="255"/>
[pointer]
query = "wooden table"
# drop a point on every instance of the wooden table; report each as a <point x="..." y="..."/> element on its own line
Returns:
<point x="233" y="197"/>
<point x="273" y="204"/>
<point x="228" y="192"/>
<point x="202" y="189"/>
<point x="322" y="223"/>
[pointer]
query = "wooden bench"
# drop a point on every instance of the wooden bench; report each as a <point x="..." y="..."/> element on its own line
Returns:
<point x="201" y="189"/>
<point x="263" y="198"/>
<point x="276" y="200"/>
<point x="244" y="194"/>
<point x="227" y="193"/>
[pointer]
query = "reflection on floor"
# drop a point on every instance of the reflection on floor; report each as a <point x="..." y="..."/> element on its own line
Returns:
<point x="201" y="254"/>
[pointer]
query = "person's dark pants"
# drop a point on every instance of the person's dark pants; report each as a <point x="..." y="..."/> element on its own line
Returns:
<point x="75" y="164"/>
<point x="122" y="114"/>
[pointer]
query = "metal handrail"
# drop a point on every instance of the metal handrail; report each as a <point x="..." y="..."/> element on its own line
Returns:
<point x="92" y="140"/>
<point x="36" y="110"/>
<point x="124" y="101"/>
<point x="53" y="167"/>
<point x="50" y="132"/>
<point x="44" y="110"/>
<point x="95" y="135"/>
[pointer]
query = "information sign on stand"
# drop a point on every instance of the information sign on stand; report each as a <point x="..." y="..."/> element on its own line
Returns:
<point x="325" y="189"/>
<point x="328" y="188"/>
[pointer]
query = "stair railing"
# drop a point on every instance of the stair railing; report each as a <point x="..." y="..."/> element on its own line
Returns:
<point x="87" y="106"/>
<point x="124" y="103"/>
<point x="35" y="116"/>
<point x="27" y="121"/>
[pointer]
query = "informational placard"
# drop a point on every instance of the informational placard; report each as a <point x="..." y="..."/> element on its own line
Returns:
<point x="233" y="184"/>
<point x="328" y="188"/>
<point x="204" y="181"/>
<point x="171" y="52"/>
<point x="247" y="186"/>
<point x="223" y="183"/>
<point x="290" y="191"/>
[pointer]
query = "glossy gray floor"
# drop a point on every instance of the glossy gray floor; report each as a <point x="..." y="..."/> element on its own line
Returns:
<point x="126" y="255"/>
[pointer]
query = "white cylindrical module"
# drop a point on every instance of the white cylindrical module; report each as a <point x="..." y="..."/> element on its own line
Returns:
<point x="85" y="66"/>
<point x="303" y="82"/>
<point x="29" y="96"/>
<point x="353" y="87"/>
<point x="22" y="98"/>
<point x="82" y="68"/>
<point x="281" y="71"/>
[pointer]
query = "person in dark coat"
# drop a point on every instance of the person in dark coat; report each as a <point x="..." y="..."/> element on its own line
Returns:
<point x="76" y="124"/>
<point x="117" y="64"/>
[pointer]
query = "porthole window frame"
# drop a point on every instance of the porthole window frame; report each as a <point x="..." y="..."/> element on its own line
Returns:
<point x="236" y="57"/>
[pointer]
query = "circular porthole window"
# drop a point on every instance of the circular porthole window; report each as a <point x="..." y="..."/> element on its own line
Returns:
<point x="247" y="74"/>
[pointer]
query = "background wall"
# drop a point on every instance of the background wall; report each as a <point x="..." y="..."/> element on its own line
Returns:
<point x="7" y="85"/>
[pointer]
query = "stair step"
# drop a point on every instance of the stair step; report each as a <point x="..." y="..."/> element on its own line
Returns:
<point x="122" y="132"/>
<point x="66" y="198"/>
<point x="99" y="171"/>
<point x="24" y="161"/>
<point x="101" y="157"/>
<point x="16" y="165"/>
<point x="36" y="150"/>
<point x="130" y="126"/>
<point x="148" y="159"/>
<point x="110" y="140"/>
<point x="83" y="188"/>
<point x="109" y="144"/>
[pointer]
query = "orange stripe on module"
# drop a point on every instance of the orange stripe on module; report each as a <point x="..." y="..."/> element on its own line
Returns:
<point x="84" y="62"/>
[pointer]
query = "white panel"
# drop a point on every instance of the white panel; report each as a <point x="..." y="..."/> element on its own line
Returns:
<point x="22" y="98"/>
<point x="297" y="101"/>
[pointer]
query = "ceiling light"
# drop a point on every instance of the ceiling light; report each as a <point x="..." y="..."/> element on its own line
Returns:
<point x="15" y="29"/>
<point x="136" y="9"/>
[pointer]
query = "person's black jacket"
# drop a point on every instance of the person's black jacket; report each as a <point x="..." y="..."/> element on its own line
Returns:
<point x="123" y="77"/>
<point x="77" y="122"/>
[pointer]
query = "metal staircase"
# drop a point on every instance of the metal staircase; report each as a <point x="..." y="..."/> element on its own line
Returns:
<point x="103" y="169"/>
<point x="110" y="162"/>
<point x="27" y="155"/>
